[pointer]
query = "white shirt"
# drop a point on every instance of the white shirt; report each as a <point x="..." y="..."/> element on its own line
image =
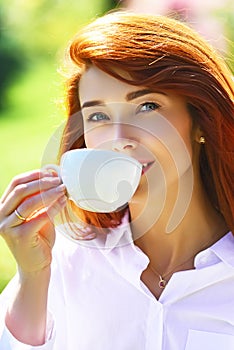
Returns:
<point x="97" y="300"/>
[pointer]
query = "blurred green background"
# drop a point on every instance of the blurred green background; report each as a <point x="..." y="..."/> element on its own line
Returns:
<point x="34" y="34"/>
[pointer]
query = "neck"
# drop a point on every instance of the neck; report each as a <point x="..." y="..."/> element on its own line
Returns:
<point x="200" y="227"/>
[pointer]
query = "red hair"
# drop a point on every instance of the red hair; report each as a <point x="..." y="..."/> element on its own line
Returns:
<point x="160" y="51"/>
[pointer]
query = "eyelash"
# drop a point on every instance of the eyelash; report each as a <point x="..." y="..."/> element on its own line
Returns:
<point x="156" y="106"/>
<point x="90" y="118"/>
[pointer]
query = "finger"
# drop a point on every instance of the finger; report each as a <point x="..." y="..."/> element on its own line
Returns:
<point x="34" y="204"/>
<point x="79" y="234"/>
<point x="46" y="215"/>
<point x="21" y="179"/>
<point x="26" y="190"/>
<point x="32" y="227"/>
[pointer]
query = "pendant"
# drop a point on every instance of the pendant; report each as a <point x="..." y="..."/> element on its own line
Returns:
<point x="162" y="283"/>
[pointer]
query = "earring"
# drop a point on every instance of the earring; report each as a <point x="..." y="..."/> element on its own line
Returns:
<point x="202" y="140"/>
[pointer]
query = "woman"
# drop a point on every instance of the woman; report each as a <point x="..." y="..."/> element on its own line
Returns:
<point x="150" y="87"/>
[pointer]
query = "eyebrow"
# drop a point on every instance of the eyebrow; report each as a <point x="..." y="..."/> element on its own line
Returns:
<point x="135" y="94"/>
<point x="129" y="97"/>
<point x="92" y="103"/>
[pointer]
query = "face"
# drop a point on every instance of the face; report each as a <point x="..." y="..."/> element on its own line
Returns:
<point x="153" y="127"/>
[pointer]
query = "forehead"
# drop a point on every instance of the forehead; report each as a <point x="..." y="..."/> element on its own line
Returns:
<point x="96" y="84"/>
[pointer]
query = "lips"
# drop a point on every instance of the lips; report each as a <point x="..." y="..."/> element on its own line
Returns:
<point x="146" y="166"/>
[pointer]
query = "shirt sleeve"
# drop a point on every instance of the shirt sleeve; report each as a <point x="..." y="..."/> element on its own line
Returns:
<point x="7" y="340"/>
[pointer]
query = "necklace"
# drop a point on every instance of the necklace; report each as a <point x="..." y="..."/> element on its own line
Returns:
<point x="162" y="281"/>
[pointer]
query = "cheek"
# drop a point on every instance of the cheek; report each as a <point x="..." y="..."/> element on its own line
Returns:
<point x="172" y="145"/>
<point x="185" y="132"/>
<point x="182" y="126"/>
<point x="91" y="139"/>
<point x="96" y="138"/>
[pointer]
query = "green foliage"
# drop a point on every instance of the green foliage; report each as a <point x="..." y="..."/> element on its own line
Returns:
<point x="38" y="30"/>
<point x="11" y="60"/>
<point x="32" y="118"/>
<point x="226" y="16"/>
<point x="42" y="27"/>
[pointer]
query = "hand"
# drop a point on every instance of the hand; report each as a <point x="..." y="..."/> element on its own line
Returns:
<point x="37" y="197"/>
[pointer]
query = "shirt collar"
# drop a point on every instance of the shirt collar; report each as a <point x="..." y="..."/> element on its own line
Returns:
<point x="222" y="250"/>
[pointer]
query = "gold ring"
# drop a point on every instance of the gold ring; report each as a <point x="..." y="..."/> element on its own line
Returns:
<point x="19" y="216"/>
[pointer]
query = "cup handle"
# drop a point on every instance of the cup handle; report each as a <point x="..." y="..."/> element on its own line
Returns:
<point x="53" y="167"/>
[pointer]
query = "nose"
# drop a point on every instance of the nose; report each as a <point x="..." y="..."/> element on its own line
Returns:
<point x="122" y="144"/>
<point x="123" y="138"/>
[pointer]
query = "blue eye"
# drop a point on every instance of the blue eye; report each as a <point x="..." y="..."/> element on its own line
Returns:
<point x="148" y="107"/>
<point x="96" y="117"/>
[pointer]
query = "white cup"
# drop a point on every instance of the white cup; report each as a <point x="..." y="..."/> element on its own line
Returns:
<point x="98" y="180"/>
